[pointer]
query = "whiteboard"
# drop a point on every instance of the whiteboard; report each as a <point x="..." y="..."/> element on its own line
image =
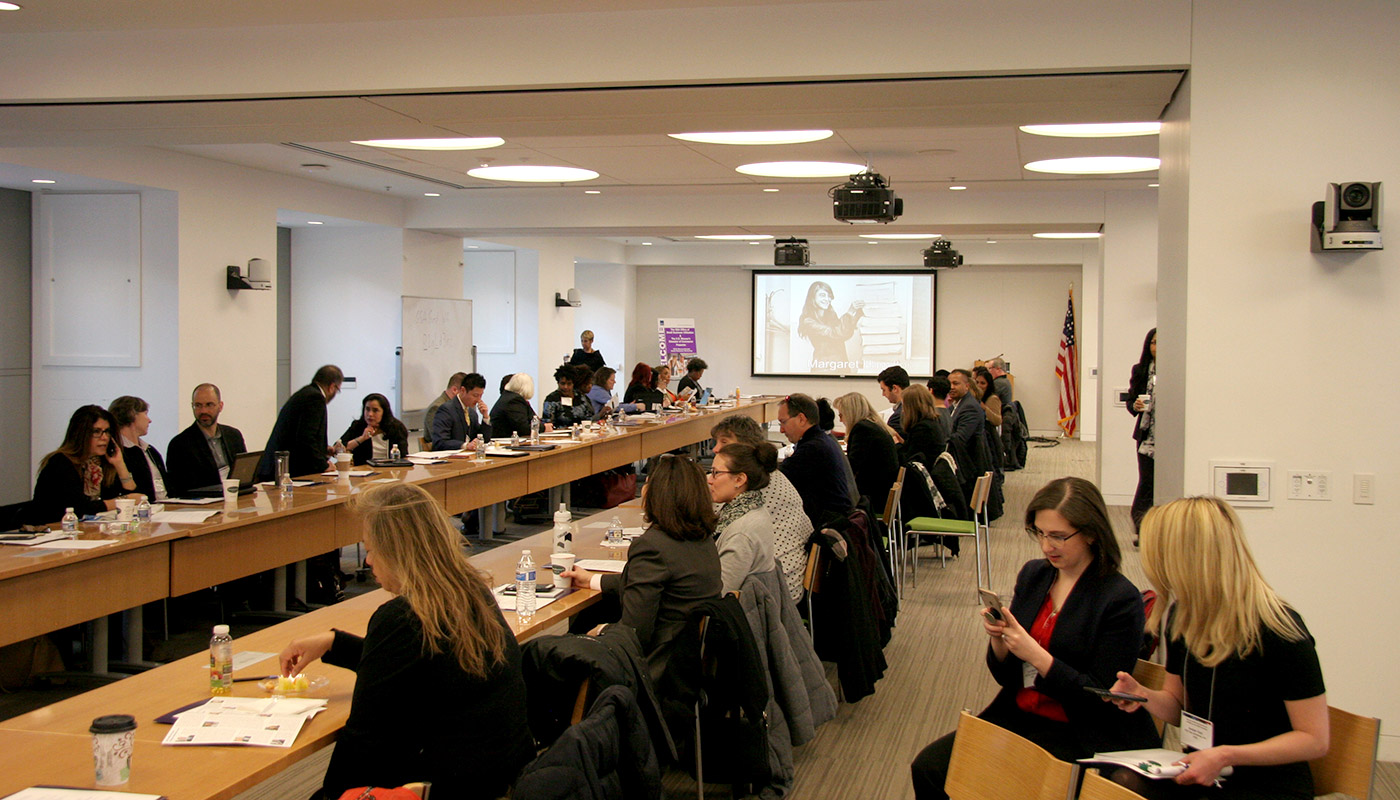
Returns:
<point x="437" y="341"/>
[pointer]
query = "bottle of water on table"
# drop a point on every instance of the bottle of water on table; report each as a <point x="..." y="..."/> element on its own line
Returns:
<point x="534" y="430"/>
<point x="614" y="535"/>
<point x="394" y="453"/>
<point x="525" y="586"/>
<point x="70" y="521"/>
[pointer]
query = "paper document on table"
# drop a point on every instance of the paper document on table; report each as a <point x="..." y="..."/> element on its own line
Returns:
<point x="425" y="458"/>
<point x="195" y="501"/>
<point x="187" y="517"/>
<point x="270" y="484"/>
<point x="601" y="564"/>
<point x="354" y="473"/>
<point x="507" y="601"/>
<point x="247" y="658"/>
<point x="64" y="793"/>
<point x="78" y="544"/>
<point x="47" y="538"/>
<point x="632" y="533"/>
<point x="252" y="721"/>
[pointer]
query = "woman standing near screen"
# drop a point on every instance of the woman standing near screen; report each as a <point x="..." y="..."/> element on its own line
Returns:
<point x="827" y="331"/>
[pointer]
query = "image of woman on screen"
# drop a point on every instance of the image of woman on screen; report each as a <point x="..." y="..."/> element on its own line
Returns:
<point x="826" y="331"/>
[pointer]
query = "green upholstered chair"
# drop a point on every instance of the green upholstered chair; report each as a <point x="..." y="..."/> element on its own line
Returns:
<point x="975" y="528"/>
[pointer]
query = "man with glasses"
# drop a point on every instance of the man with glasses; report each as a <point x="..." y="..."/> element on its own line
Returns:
<point x="203" y="453"/>
<point x="817" y="467"/>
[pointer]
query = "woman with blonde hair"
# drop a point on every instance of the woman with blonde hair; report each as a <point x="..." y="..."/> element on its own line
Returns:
<point x="870" y="447"/>
<point x="923" y="436"/>
<point x="439" y="695"/>
<point x="1242" y="669"/>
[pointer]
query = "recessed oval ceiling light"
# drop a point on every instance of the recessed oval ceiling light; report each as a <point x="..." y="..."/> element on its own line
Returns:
<point x="42" y="180"/>
<point x="1096" y="130"/>
<point x="473" y="247"/>
<point x="432" y="194"/>
<point x="592" y="191"/>
<point x="9" y="7"/>
<point x="1066" y="235"/>
<point x="1153" y="185"/>
<point x="899" y="235"/>
<point x="872" y="242"/>
<point x="801" y="169"/>
<point x="736" y="237"/>
<point x="455" y="143"/>
<point x="957" y="188"/>
<point x="770" y="190"/>
<point x="753" y="137"/>
<point x="648" y="244"/>
<point x="533" y="173"/>
<point x="991" y="241"/>
<point x="1095" y="165"/>
<point x="314" y="222"/>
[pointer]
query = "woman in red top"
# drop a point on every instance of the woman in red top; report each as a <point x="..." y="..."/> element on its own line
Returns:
<point x="1075" y="622"/>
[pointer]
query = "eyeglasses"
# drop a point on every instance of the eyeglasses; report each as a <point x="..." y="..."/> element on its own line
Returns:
<point x="202" y="406"/>
<point x="722" y="472"/>
<point x="1055" y="539"/>
<point x="98" y="433"/>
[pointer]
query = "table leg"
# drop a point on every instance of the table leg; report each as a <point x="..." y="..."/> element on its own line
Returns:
<point x="135" y="634"/>
<point x="279" y="589"/>
<point x="99" y="645"/>
<point x="299" y="580"/>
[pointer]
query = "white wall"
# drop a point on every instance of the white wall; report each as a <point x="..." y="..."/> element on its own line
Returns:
<point x="56" y="391"/>
<point x="609" y="299"/>
<point x="487" y="292"/>
<point x="1262" y="316"/>
<point x="346" y="285"/>
<point x="1129" y="303"/>
<point x="15" y="259"/>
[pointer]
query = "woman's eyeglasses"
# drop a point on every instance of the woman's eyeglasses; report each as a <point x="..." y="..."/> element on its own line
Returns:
<point x="98" y="433"/>
<point x="1055" y="539"/>
<point x="721" y="472"/>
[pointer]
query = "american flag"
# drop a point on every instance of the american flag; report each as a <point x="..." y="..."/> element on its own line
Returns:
<point x="1067" y="370"/>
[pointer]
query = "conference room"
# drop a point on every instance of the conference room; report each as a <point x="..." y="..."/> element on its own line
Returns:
<point x="1192" y="257"/>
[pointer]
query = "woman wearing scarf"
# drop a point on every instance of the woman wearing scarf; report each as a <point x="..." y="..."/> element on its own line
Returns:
<point x="744" y="531"/>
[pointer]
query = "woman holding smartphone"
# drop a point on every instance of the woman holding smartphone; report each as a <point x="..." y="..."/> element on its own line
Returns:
<point x="1243" y="678"/>
<point x="86" y="473"/>
<point x="1074" y="624"/>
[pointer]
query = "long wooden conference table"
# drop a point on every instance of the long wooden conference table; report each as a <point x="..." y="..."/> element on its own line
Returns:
<point x="45" y="590"/>
<point x="51" y="746"/>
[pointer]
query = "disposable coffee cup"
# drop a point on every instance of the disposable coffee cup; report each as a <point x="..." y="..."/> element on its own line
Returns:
<point x="230" y="490"/>
<point x="565" y="560"/>
<point x="1145" y="399"/>
<point x="126" y="509"/>
<point x="113" y="738"/>
<point x="343" y="462"/>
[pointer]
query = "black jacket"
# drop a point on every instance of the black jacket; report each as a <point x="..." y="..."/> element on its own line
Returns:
<point x="817" y="470"/>
<point x="511" y="414"/>
<point x="454" y="426"/>
<point x="1097" y="634"/>
<point x="419" y="717"/>
<point x="593" y="360"/>
<point x="363" y="453"/>
<point x="190" y="463"/>
<point x="141" y="471"/>
<point x="605" y="757"/>
<point x="59" y="485"/>
<point x="924" y="439"/>
<point x="871" y="451"/>
<point x="301" y="431"/>
<point x="1137" y="385"/>
<point x="846" y="629"/>
<point x="637" y="393"/>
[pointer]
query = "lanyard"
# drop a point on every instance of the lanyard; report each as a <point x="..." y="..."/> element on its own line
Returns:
<point x="1210" y="699"/>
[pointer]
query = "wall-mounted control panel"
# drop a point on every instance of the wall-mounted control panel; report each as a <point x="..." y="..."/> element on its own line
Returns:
<point x="1243" y="483"/>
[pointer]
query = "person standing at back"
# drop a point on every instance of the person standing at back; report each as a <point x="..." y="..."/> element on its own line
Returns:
<point x="1142" y="394"/>
<point x="586" y="355"/>
<point x="1010" y="420"/>
<point x="893" y="381"/>
<point x="301" y="427"/>
<point x="143" y="460"/>
<point x="202" y="454"/>
<point x="817" y="467"/>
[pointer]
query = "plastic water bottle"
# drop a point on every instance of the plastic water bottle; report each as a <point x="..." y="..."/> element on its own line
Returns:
<point x="514" y="438"/>
<point x="394" y="453"/>
<point x="563" y="530"/>
<point x="143" y="512"/>
<point x="480" y="447"/>
<point x="220" y="661"/>
<point x="614" y="535"/>
<point x="525" y="586"/>
<point x="534" y="430"/>
<point x="70" y="521"/>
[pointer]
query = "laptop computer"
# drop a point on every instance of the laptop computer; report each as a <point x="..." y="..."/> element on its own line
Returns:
<point x="245" y="466"/>
<point x="705" y="397"/>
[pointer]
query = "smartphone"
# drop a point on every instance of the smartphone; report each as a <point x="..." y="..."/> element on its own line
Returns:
<point x="1136" y="698"/>
<point x="540" y="588"/>
<point x="991" y="601"/>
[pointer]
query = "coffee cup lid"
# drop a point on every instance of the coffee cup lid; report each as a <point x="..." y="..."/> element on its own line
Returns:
<point x="113" y="723"/>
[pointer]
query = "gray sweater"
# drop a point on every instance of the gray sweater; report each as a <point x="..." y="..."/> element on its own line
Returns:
<point x="745" y="547"/>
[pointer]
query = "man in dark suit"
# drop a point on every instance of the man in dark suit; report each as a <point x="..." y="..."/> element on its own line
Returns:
<point x="454" y="388"/>
<point x="460" y="419"/>
<point x="301" y="427"/>
<point x="142" y="460"/>
<point x="969" y="427"/>
<point x="202" y="454"/>
<point x="817" y="467"/>
<point x="893" y="381"/>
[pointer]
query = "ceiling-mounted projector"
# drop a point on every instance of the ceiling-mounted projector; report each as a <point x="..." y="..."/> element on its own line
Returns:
<point x="866" y="197"/>
<point x="941" y="255"/>
<point x="791" y="253"/>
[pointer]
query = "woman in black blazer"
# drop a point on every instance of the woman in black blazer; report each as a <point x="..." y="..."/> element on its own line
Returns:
<point x="512" y="412"/>
<point x="1074" y="622"/>
<point x="375" y="432"/>
<point x="870" y="448"/>
<point x="923" y="435"/>
<point x="1144" y="382"/>
<point x="86" y="473"/>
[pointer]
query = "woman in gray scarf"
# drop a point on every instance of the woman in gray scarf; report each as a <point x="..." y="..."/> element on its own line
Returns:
<point x="744" y="532"/>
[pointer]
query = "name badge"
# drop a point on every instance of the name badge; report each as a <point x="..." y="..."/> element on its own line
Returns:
<point x="1197" y="733"/>
<point x="566" y="401"/>
<point x="1028" y="675"/>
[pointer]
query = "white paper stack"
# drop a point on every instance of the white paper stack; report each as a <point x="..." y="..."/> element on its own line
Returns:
<point x="251" y="721"/>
